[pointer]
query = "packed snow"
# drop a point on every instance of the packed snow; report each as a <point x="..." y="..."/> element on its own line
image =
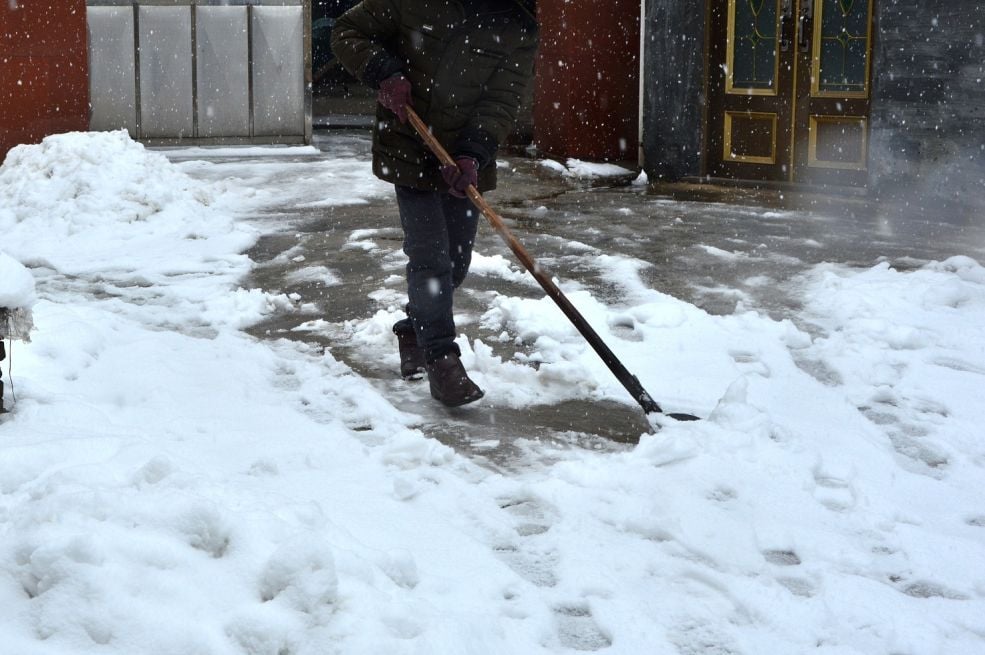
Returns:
<point x="170" y="485"/>
<point x="586" y="170"/>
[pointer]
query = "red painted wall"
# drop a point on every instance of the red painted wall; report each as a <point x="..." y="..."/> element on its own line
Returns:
<point x="586" y="97"/>
<point x="44" y="74"/>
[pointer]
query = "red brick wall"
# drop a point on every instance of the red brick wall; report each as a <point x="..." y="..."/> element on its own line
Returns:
<point x="44" y="75"/>
<point x="586" y="96"/>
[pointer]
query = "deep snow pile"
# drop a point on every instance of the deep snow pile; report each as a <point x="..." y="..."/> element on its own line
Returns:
<point x="103" y="203"/>
<point x="169" y="485"/>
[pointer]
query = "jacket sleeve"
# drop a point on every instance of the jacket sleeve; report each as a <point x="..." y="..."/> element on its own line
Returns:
<point x="358" y="39"/>
<point x="496" y="112"/>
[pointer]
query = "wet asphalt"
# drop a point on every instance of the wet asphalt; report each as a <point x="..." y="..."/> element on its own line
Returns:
<point x="739" y="250"/>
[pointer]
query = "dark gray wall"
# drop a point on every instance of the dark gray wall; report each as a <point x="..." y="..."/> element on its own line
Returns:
<point x="673" y="88"/>
<point x="928" y="105"/>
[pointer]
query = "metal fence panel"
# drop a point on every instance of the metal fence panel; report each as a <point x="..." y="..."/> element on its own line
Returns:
<point x="278" y="71"/>
<point x="166" y="83"/>
<point x="112" y="70"/>
<point x="202" y="71"/>
<point x="223" y="68"/>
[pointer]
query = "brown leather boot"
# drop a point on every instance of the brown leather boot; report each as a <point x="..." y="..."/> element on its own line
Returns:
<point x="411" y="356"/>
<point x="449" y="382"/>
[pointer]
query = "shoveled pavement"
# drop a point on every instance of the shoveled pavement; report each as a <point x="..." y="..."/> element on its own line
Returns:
<point x="740" y="250"/>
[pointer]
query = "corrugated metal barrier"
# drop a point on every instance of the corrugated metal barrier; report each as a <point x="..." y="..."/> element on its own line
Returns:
<point x="202" y="71"/>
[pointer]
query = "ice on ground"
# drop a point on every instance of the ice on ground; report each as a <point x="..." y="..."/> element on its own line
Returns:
<point x="169" y="484"/>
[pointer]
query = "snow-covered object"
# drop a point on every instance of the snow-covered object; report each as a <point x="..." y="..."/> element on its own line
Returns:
<point x="16" y="323"/>
<point x="16" y="284"/>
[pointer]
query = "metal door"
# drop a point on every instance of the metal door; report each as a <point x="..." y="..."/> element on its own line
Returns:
<point x="788" y="90"/>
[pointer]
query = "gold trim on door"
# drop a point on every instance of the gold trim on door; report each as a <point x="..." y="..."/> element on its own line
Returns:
<point x="728" y="155"/>
<point x="730" y="56"/>
<point x="816" y="56"/>
<point x="859" y="164"/>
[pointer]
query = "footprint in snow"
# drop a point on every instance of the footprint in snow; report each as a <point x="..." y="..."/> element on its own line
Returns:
<point x="818" y="369"/>
<point x="533" y="561"/>
<point x="959" y="365"/>
<point x="781" y="557"/>
<point x="795" y="585"/>
<point x="536" y="563"/>
<point x="798" y="586"/>
<point x="531" y="515"/>
<point x="722" y="494"/>
<point x="750" y="362"/>
<point x="924" y="589"/>
<point x="834" y="493"/>
<point x="922" y="456"/>
<point x="907" y="422"/>
<point x="578" y="630"/>
<point x="697" y="637"/>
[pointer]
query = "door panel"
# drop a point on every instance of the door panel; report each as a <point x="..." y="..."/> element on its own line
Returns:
<point x="840" y="63"/>
<point x="750" y="132"/>
<point x="753" y="34"/>
<point x="832" y="109"/>
<point x="788" y="90"/>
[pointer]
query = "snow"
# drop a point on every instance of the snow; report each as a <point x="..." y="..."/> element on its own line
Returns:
<point x="585" y="170"/>
<point x="16" y="284"/>
<point x="238" y="151"/>
<point x="170" y="485"/>
<point x="103" y="204"/>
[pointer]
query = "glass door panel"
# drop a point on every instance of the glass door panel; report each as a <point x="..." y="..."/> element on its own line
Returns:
<point x="842" y="35"/>
<point x="753" y="46"/>
<point x="831" y="114"/>
<point x="749" y="90"/>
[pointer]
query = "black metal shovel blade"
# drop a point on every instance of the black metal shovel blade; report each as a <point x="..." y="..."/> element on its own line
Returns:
<point x="677" y="416"/>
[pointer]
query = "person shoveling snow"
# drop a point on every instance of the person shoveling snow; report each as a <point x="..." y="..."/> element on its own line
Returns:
<point x="475" y="110"/>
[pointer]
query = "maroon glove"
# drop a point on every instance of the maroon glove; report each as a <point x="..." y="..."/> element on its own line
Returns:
<point x="461" y="176"/>
<point x="395" y="95"/>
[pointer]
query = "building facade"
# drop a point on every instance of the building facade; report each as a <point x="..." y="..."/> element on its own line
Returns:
<point x="882" y="95"/>
<point x="888" y="95"/>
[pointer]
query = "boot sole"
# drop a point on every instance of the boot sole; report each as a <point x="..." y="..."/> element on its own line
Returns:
<point x="466" y="401"/>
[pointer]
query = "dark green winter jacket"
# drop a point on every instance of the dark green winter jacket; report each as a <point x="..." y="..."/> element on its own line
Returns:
<point x="469" y="62"/>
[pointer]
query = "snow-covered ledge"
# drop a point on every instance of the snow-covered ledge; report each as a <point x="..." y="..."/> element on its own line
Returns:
<point x="16" y="299"/>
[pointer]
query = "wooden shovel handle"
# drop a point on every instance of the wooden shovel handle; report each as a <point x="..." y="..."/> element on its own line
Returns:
<point x="628" y="380"/>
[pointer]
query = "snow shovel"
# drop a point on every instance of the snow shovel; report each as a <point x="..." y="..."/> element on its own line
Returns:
<point x="628" y="380"/>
